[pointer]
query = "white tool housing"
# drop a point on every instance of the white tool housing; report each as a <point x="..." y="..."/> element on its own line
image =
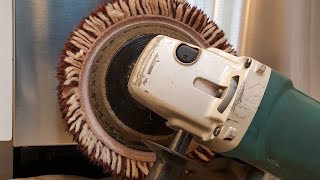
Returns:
<point x="214" y="96"/>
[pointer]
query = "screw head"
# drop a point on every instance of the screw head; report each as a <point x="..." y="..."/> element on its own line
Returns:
<point x="262" y="69"/>
<point x="217" y="131"/>
<point x="231" y="134"/>
<point x="248" y="63"/>
<point x="219" y="93"/>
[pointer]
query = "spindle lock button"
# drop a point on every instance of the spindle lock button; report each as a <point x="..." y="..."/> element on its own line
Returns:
<point x="187" y="54"/>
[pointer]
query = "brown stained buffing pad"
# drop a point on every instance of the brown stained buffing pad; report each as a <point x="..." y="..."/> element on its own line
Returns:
<point x="93" y="73"/>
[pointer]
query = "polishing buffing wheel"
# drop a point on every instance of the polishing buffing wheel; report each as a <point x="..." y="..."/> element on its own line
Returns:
<point x="94" y="69"/>
<point x="139" y="122"/>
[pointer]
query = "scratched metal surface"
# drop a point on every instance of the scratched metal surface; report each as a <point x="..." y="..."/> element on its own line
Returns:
<point x="42" y="28"/>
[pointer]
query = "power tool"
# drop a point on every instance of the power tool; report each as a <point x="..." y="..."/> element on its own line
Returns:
<point x="229" y="105"/>
<point x="93" y="73"/>
<point x="236" y="106"/>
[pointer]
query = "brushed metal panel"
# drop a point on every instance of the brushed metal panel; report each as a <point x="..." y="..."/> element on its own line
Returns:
<point x="42" y="28"/>
<point x="204" y="5"/>
<point x="229" y="15"/>
<point x="281" y="33"/>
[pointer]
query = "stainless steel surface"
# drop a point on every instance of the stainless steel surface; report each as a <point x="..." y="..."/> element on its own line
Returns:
<point x="181" y="141"/>
<point x="170" y="162"/>
<point x="171" y="165"/>
<point x="205" y="5"/>
<point x="42" y="28"/>
<point x="281" y="33"/>
<point x="284" y="34"/>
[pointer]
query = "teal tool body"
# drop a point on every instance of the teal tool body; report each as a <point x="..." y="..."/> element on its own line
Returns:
<point x="236" y="106"/>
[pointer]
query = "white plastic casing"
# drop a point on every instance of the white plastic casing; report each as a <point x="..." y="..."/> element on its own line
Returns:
<point x="188" y="96"/>
<point x="6" y="71"/>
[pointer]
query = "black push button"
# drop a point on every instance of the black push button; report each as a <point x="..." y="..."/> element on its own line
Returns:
<point x="187" y="54"/>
